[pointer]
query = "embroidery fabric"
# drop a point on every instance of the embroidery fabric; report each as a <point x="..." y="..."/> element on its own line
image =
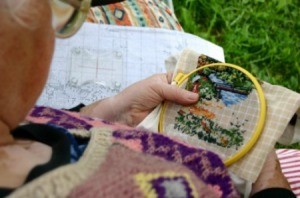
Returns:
<point x="282" y="104"/>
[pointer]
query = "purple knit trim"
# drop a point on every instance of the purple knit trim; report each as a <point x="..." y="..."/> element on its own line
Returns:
<point x="107" y="122"/>
<point x="60" y="118"/>
<point x="205" y="164"/>
<point x="160" y="189"/>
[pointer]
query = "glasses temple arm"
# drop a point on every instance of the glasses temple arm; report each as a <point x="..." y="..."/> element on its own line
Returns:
<point x="104" y="2"/>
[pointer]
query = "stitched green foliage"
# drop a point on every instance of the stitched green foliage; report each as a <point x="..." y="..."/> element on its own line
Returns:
<point x="209" y="131"/>
<point x="199" y="121"/>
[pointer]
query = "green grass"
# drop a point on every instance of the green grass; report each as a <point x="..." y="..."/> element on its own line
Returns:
<point x="262" y="36"/>
<point x="292" y="146"/>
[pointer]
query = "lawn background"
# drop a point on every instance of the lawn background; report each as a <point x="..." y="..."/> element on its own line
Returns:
<point x="261" y="36"/>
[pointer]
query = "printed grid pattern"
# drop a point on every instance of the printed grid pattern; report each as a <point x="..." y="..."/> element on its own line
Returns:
<point x="101" y="60"/>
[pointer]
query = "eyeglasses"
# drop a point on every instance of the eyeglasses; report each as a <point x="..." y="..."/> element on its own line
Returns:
<point x="69" y="15"/>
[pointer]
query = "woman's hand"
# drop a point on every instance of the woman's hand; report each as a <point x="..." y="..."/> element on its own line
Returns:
<point x="134" y="103"/>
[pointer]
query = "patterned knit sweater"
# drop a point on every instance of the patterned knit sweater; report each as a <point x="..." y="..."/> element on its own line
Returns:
<point x="123" y="162"/>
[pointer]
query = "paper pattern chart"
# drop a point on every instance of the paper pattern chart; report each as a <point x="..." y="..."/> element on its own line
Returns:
<point x="102" y="60"/>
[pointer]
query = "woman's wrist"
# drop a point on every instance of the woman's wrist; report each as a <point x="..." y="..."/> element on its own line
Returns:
<point x="99" y="109"/>
<point x="112" y="109"/>
<point x="271" y="175"/>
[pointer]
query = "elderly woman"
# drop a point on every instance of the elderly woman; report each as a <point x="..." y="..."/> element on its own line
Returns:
<point x="37" y="160"/>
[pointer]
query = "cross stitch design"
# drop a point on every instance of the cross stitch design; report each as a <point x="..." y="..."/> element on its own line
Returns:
<point x="220" y="86"/>
<point x="205" y="60"/>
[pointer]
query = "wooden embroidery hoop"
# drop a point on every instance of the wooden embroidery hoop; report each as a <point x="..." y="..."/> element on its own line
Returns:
<point x="181" y="77"/>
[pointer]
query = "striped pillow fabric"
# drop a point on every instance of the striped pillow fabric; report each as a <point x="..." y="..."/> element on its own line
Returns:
<point x="290" y="164"/>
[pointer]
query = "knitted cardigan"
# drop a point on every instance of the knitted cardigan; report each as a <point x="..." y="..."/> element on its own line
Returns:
<point x="122" y="161"/>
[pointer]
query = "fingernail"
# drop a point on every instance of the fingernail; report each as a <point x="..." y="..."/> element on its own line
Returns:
<point x="192" y="96"/>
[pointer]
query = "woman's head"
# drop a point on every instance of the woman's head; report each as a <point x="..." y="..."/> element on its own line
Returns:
<point x="26" y="47"/>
